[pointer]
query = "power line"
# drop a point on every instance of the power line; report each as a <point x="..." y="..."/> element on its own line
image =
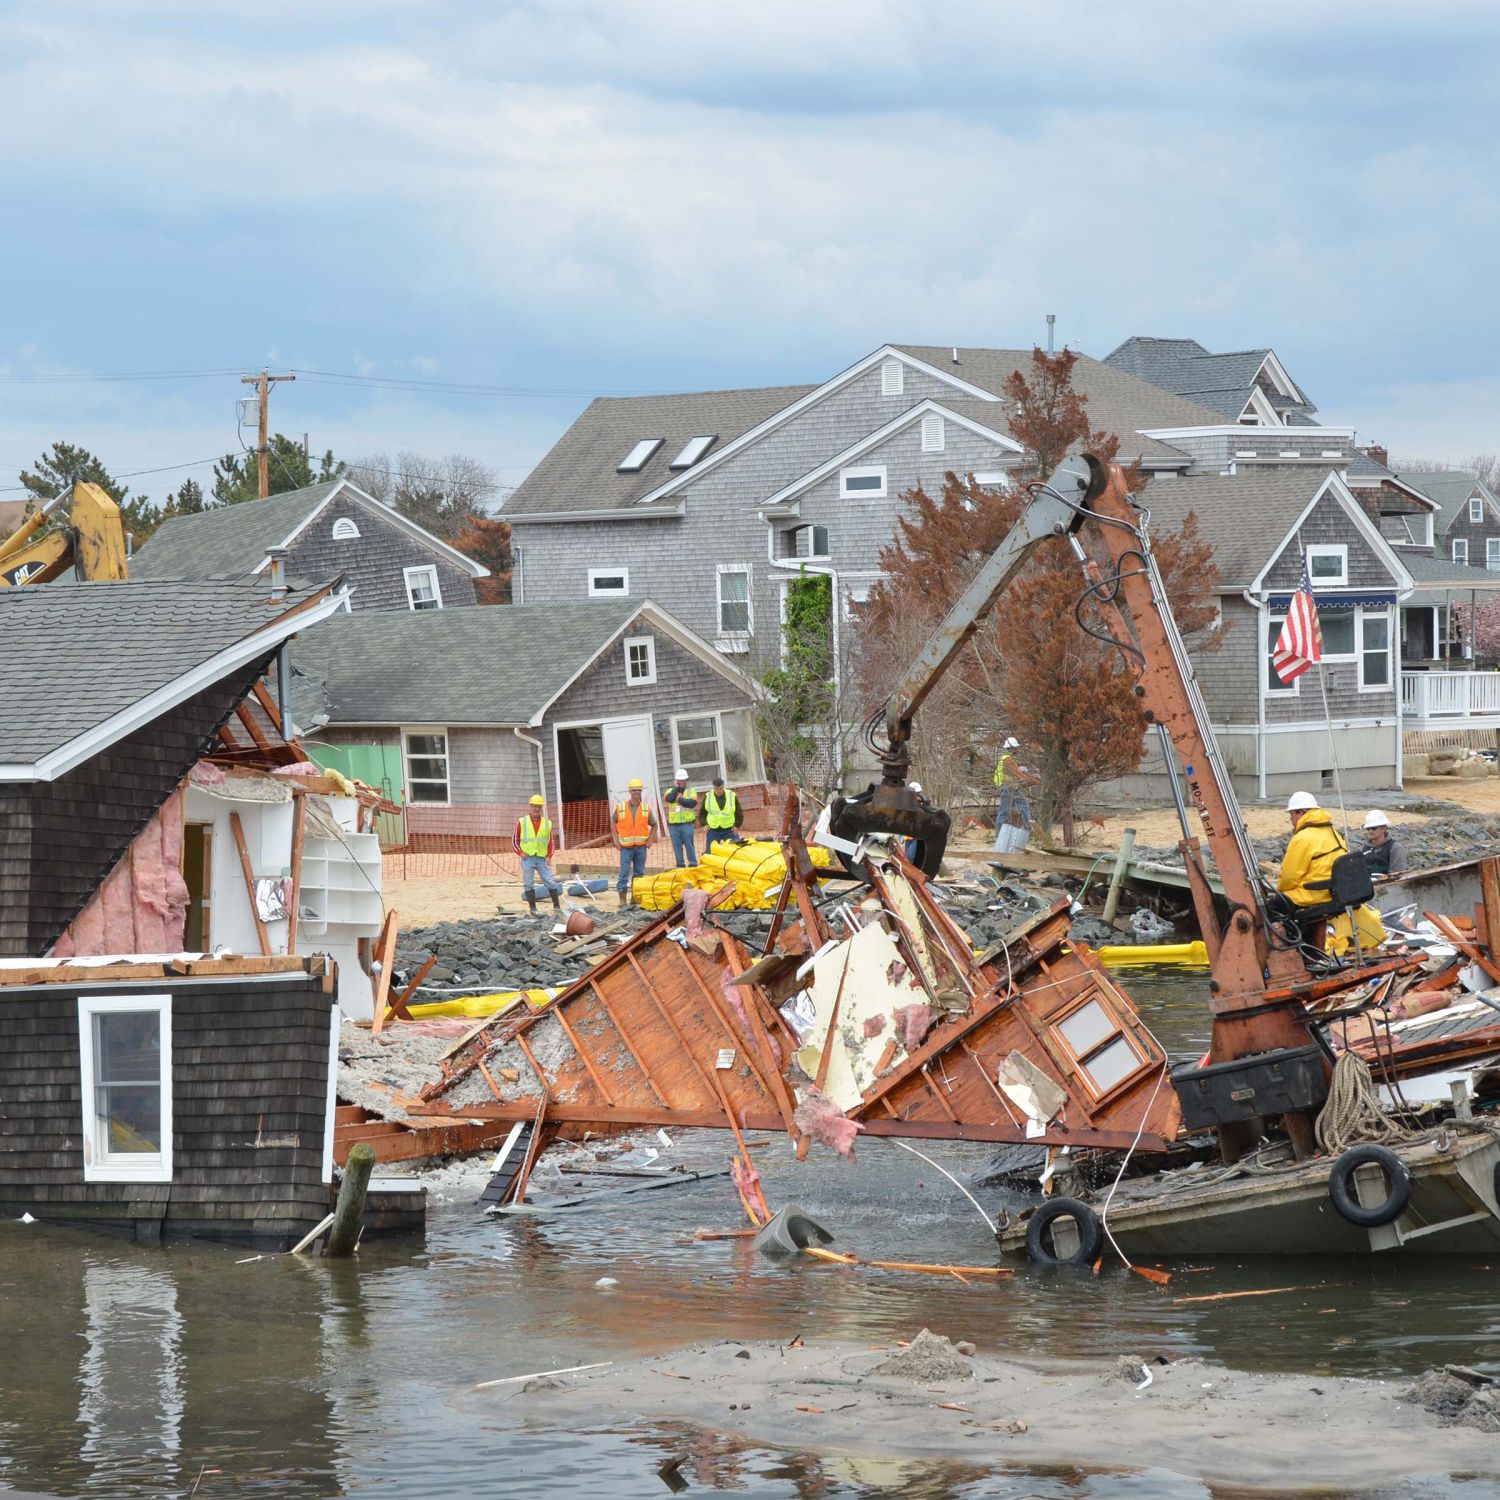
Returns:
<point x="131" y="377"/>
<point x="196" y="463"/>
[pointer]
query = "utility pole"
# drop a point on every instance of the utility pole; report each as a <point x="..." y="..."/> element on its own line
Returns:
<point x="263" y="383"/>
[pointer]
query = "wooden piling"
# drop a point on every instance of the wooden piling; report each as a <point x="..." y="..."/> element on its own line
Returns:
<point x="1117" y="878"/>
<point x="349" y="1213"/>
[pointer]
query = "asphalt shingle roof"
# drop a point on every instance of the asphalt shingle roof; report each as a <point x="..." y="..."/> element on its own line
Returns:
<point x="1185" y="367"/>
<point x="1442" y="572"/>
<point x="1450" y="488"/>
<point x="75" y="657"/>
<point x="496" y="664"/>
<point x="582" y="470"/>
<point x="228" y="541"/>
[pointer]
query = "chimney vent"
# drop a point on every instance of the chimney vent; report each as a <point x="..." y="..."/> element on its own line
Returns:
<point x="1381" y="455"/>
<point x="277" y="572"/>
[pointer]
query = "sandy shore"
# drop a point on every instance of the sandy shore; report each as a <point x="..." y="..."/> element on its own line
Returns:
<point x="1195" y="1418"/>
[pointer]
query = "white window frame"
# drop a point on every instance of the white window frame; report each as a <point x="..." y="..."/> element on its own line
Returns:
<point x="595" y="574"/>
<point x="1476" y="510"/>
<point x="430" y="569"/>
<point x="517" y="574"/>
<point x="1339" y="550"/>
<point x="98" y="1164"/>
<point x="693" y="450"/>
<point x="1352" y="653"/>
<point x="733" y="640"/>
<point x="407" y="730"/>
<point x="345" y="530"/>
<point x="1275" y="619"/>
<point x="756" y="769"/>
<point x="862" y="471"/>
<point x="1492" y="553"/>
<point x="1461" y="550"/>
<point x="648" y="677"/>
<point x="892" y="377"/>
<point x="1392" y="665"/>
<point x="933" y="434"/>
<point x="640" y="455"/>
<point x="992" y="479"/>
<point x="812" y="528"/>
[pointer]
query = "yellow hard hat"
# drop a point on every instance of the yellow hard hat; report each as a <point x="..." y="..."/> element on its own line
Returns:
<point x="635" y="784"/>
<point x="537" y="800"/>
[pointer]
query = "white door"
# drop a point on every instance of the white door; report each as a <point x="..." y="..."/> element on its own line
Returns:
<point x="629" y="752"/>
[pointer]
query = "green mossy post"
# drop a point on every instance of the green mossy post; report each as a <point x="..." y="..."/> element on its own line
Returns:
<point x="349" y="1214"/>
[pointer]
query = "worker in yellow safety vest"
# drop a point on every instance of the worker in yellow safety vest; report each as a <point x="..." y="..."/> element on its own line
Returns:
<point x="1014" y="804"/>
<point x="633" y="829"/>
<point x="533" y="840"/>
<point x="682" y="814"/>
<point x="721" y="814"/>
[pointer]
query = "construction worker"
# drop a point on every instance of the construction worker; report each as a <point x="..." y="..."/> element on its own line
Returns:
<point x="1009" y="776"/>
<point x="534" y="841"/>
<point x="682" y="816"/>
<point x="1384" y="854"/>
<point x="633" y="829"/>
<point x="1308" y="862"/>
<point x="721" y="814"/>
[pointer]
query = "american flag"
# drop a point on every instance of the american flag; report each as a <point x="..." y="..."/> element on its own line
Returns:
<point x="1300" y="643"/>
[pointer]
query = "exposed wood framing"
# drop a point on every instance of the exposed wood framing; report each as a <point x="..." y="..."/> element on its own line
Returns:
<point x="237" y="828"/>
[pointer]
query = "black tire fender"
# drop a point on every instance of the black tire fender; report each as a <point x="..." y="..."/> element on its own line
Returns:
<point x="1397" y="1181"/>
<point x="1090" y="1233"/>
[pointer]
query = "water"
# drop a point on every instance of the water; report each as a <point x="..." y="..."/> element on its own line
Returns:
<point x="133" y="1372"/>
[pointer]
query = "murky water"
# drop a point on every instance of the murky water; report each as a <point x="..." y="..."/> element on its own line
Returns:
<point x="132" y="1372"/>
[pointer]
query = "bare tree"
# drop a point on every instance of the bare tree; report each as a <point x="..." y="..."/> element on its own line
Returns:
<point x="440" y="494"/>
<point x="1485" y="467"/>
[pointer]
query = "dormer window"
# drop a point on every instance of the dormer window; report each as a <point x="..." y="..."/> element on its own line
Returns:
<point x="1476" y="510"/>
<point x="640" y="455"/>
<point x="422" y="590"/>
<point x="344" y="530"/>
<point x="693" y="450"/>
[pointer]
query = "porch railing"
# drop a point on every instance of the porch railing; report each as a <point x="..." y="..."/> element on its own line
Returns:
<point x="1449" y="696"/>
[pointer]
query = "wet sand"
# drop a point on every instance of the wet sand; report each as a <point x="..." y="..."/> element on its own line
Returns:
<point x="1195" y="1418"/>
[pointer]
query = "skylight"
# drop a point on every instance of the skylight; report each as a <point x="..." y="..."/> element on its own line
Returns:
<point x="638" y="456"/>
<point x="693" y="450"/>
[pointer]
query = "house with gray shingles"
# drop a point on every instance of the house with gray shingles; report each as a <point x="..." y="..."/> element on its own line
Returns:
<point x="1467" y="523"/>
<point x="326" y="530"/>
<point x="1249" y="386"/>
<point x="463" y="714"/>
<point x="712" y="503"/>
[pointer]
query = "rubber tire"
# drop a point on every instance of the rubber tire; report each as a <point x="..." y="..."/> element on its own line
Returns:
<point x="1090" y="1233"/>
<point x="1341" y="1186"/>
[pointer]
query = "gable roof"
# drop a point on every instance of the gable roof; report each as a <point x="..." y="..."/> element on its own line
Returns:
<point x="1223" y="382"/>
<point x="1443" y="573"/>
<point x="231" y="541"/>
<point x="1248" y="517"/>
<point x="498" y="665"/>
<point x="85" y="666"/>
<point x="1450" y="490"/>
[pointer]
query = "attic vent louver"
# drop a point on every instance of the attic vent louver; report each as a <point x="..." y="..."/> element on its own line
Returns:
<point x="693" y="450"/>
<point x="640" y="455"/>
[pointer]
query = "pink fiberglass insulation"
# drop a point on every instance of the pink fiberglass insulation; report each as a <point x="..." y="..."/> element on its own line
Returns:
<point x="913" y="1022"/>
<point x="824" y="1122"/>
<point x="874" y="1025"/>
<point x="206" y="773"/>
<point x="733" y="994"/>
<point x="298" y="768"/>
<point x="693" y="903"/>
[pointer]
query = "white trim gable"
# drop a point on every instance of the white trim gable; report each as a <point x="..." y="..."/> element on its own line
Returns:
<point x="1279" y="377"/>
<point x="1259" y="407"/>
<point x="674" y="630"/>
<point x="388" y="513"/>
<point x="1335" y="486"/>
<point x="797" y="407"/>
<point x="873" y="439"/>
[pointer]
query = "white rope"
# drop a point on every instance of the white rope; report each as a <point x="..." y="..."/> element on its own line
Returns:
<point x="1166" y="1067"/>
<point x="994" y="1228"/>
<point x="1353" y="1112"/>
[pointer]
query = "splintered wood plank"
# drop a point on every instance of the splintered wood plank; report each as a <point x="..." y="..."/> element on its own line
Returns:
<point x="299" y="832"/>
<point x="637" y="1057"/>
<point x="237" y="828"/>
<point x="385" y="956"/>
<point x="253" y="729"/>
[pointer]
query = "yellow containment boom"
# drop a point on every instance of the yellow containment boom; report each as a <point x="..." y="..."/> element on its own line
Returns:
<point x="92" y="543"/>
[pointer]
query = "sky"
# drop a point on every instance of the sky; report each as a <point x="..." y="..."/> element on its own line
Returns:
<point x="458" y="223"/>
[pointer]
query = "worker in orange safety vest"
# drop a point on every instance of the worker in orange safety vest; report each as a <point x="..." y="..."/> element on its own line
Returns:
<point x="633" y="828"/>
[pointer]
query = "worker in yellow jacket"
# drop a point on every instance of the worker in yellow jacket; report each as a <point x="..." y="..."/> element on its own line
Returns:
<point x="1308" y="862"/>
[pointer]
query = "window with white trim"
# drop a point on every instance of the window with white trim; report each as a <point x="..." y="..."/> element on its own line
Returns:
<point x="125" y="1063"/>
<point x="1338" y="630"/>
<point x="640" y="660"/>
<point x="344" y="530"/>
<point x="422" y="591"/>
<point x="992" y="479"/>
<point x="1275" y="687"/>
<point x="1476" y="509"/>
<point x="517" y="575"/>
<point x="1461" y="550"/>
<point x="609" y="583"/>
<point x="805" y="541"/>
<point x="640" y="455"/>
<point x="863" y="482"/>
<point x="717" y="744"/>
<point x="1328" y="564"/>
<point x="1106" y="1054"/>
<point x="735" y="616"/>
<point x="932" y="433"/>
<point x="1492" y="553"/>
<point x="892" y="377"/>
<point x="1374" y="651"/>
<point x="693" y="450"/>
<point x="426" y="754"/>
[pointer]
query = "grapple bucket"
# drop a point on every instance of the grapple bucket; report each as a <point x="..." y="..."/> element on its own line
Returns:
<point x="894" y="810"/>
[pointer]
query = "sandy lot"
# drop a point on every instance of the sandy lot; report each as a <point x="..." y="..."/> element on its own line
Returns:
<point x="1192" y="1417"/>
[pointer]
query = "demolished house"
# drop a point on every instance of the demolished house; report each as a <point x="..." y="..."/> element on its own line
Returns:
<point x="169" y="1069"/>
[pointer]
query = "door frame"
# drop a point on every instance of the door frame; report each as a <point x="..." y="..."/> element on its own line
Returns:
<point x="592" y="724"/>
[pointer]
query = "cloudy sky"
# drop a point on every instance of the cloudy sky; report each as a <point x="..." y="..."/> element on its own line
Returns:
<point x="471" y="218"/>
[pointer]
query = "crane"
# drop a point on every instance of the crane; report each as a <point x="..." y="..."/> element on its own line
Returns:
<point x="92" y="543"/>
<point x="1257" y="980"/>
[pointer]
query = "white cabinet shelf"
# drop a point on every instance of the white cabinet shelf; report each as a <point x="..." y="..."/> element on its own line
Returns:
<point x="340" y="884"/>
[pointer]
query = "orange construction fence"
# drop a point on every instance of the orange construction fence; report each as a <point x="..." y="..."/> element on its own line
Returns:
<point x="474" y="839"/>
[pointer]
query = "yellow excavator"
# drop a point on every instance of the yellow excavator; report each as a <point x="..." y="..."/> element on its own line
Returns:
<point x="92" y="542"/>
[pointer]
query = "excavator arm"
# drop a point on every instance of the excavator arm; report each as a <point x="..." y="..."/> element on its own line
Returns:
<point x="92" y="543"/>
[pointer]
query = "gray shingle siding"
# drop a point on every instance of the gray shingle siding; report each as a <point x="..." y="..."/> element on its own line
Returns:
<point x="1228" y="677"/>
<point x="1327" y="522"/>
<point x="372" y="563"/>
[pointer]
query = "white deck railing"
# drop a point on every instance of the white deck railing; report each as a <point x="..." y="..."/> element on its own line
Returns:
<point x="1446" y="697"/>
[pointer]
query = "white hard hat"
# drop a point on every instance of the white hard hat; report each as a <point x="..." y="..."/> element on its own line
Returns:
<point x="1011" y="743"/>
<point x="1300" y="802"/>
<point x="915" y="786"/>
<point x="680" y="774"/>
<point x="1376" y="819"/>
